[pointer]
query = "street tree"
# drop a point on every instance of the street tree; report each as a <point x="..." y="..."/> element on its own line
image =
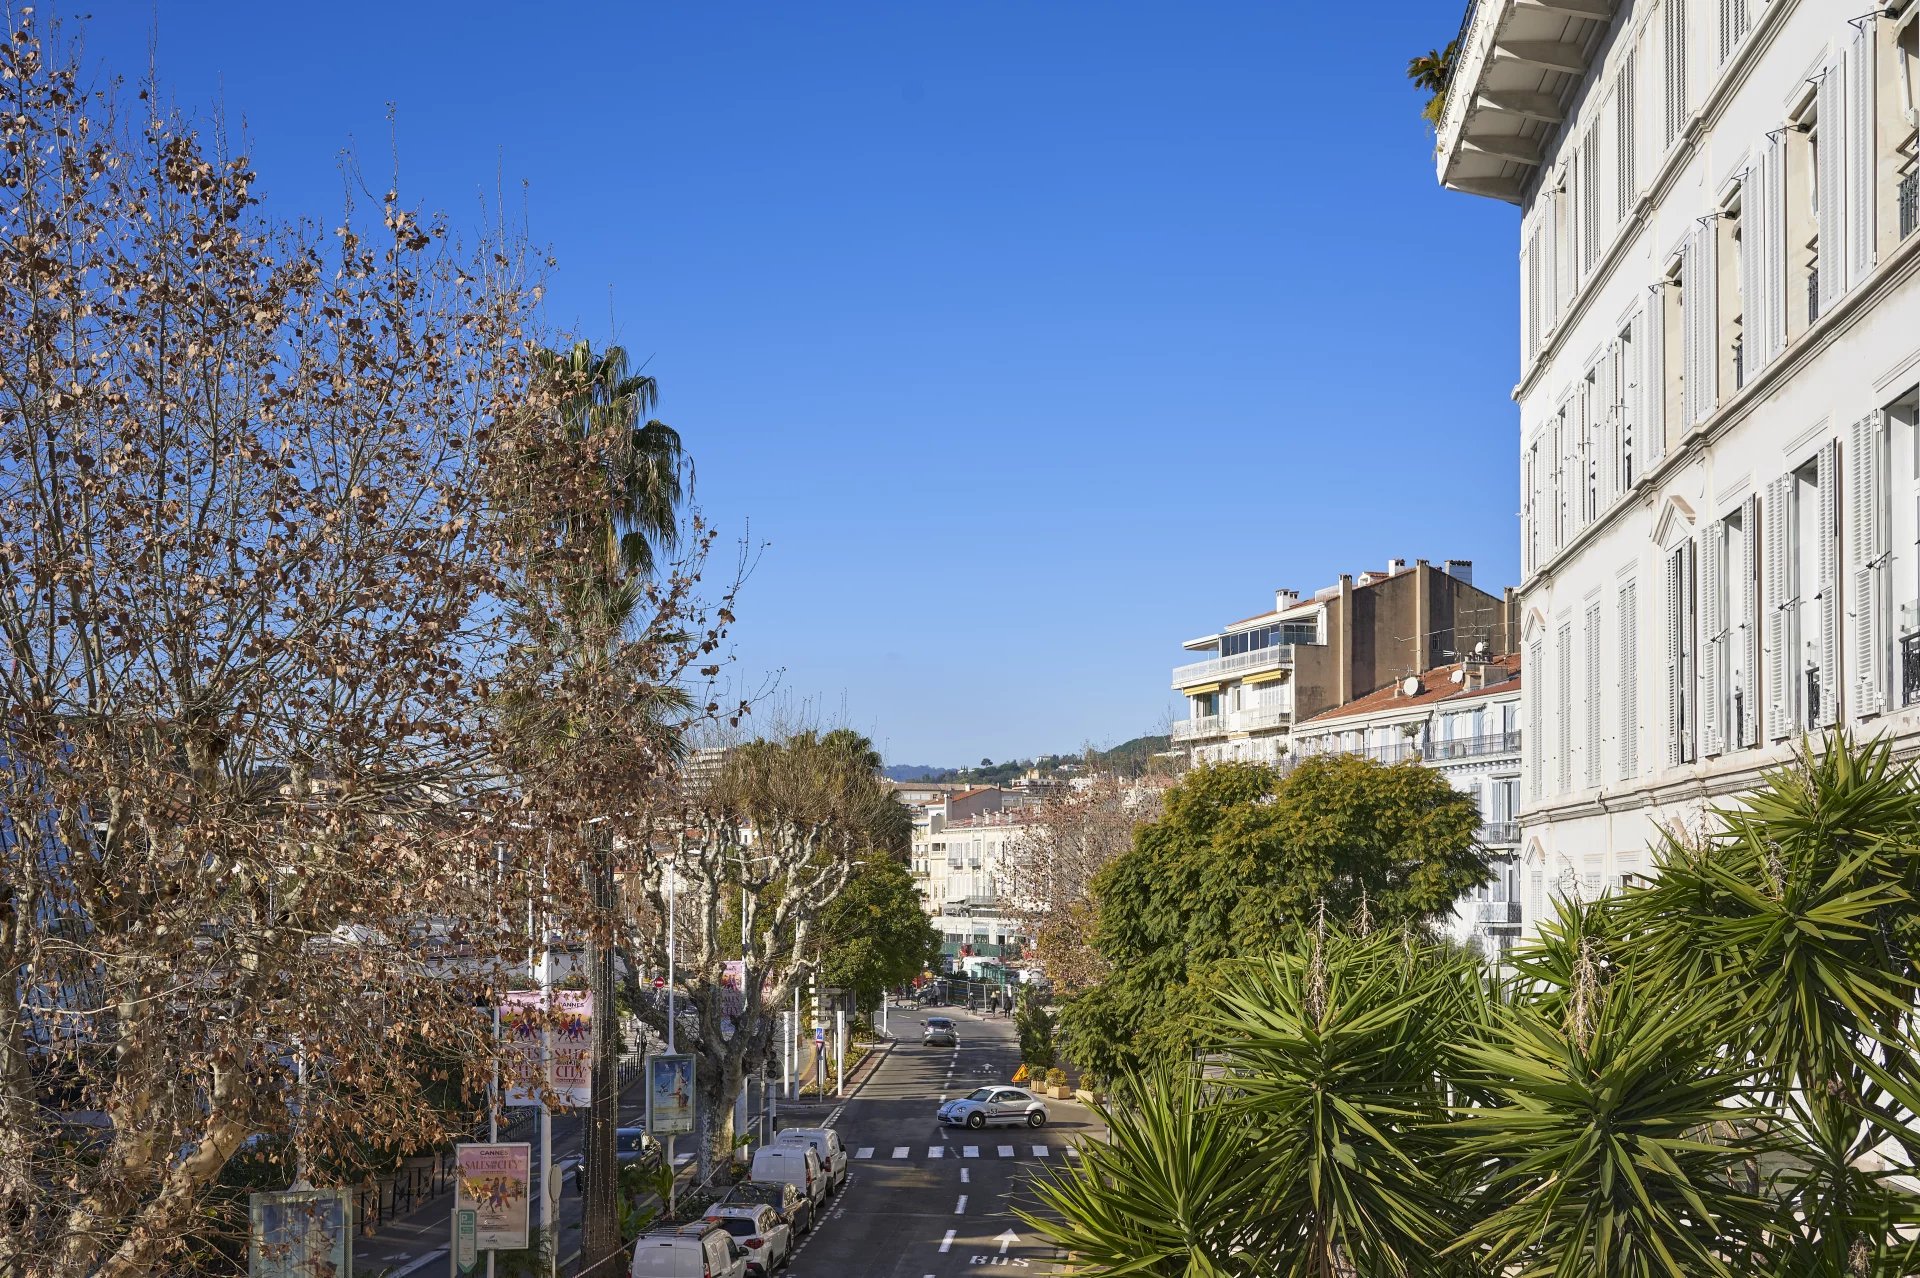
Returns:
<point x="745" y="862"/>
<point x="1243" y="854"/>
<point x="1068" y="840"/>
<point x="875" y="935"/>
<point x="264" y="516"/>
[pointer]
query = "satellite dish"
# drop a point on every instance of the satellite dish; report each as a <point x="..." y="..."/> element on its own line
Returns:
<point x="1458" y="676"/>
<point x="1411" y="688"/>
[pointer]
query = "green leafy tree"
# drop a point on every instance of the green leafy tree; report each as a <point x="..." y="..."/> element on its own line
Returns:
<point x="875" y="934"/>
<point x="1243" y="856"/>
<point x="1034" y="1024"/>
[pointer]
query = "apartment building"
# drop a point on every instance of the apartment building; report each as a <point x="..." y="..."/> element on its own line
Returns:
<point x="1719" y="355"/>
<point x="961" y="843"/>
<point x="1462" y="720"/>
<point x="1304" y="656"/>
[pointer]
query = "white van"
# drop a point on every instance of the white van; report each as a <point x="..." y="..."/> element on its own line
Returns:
<point x="826" y="1143"/>
<point x="703" y="1249"/>
<point x="796" y="1164"/>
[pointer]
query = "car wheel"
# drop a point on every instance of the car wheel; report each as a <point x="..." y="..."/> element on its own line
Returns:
<point x="976" y="1120"/>
<point x="1036" y="1119"/>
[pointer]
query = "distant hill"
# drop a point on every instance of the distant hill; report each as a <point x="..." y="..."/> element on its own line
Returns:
<point x="1129" y="758"/>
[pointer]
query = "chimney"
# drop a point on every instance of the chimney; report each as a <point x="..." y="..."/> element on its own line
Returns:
<point x="1285" y="599"/>
<point x="1396" y="566"/>
<point x="1461" y="570"/>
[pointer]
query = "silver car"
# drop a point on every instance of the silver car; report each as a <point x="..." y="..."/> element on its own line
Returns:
<point x="992" y="1106"/>
<point x="938" y="1031"/>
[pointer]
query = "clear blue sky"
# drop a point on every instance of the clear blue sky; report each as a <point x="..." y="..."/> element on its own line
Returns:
<point x="1033" y="337"/>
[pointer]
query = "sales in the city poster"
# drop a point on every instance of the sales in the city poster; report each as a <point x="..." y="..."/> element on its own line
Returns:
<point x="670" y="1094"/>
<point x="300" y="1233"/>
<point x="563" y="1035"/>
<point x="495" y="1182"/>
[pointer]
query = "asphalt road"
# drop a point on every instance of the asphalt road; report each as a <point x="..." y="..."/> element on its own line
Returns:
<point x="925" y="1201"/>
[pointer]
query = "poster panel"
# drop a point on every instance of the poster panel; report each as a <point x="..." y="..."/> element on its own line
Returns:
<point x="521" y="1046"/>
<point x="564" y="1037"/>
<point x="571" y="1082"/>
<point x="670" y="1094"/>
<point x="300" y="1233"/>
<point x="495" y="1183"/>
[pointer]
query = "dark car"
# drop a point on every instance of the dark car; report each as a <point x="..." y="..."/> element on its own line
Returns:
<point x="786" y="1199"/>
<point x="630" y="1145"/>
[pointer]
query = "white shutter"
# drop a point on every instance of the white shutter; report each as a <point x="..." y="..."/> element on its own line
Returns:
<point x="1765" y="248"/>
<point x="1530" y="295"/>
<point x="1859" y="93"/>
<point x="1751" y="237"/>
<point x="1676" y="68"/>
<point x="1776" y="535"/>
<point x="1867" y="545"/>
<point x="1705" y="303"/>
<point x="1650" y="419"/>
<point x="1828" y="472"/>
<point x="1592" y="708"/>
<point x="1608" y="423"/>
<point x="1563" y="709"/>
<point x="1529" y="483"/>
<point x="1533" y="691"/>
<point x="1626" y="186"/>
<point x="1671" y="718"/>
<point x="1629" y="682"/>
<point x="1712" y="620"/>
<point x="1689" y="338"/>
<point x="1828" y="180"/>
<point x="1749" y="609"/>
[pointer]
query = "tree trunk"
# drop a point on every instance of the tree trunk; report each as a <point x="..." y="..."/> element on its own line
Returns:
<point x="599" y="1220"/>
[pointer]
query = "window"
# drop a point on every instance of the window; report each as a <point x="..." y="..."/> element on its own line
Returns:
<point x="1903" y="533"/>
<point x="1589" y="412"/>
<point x="1533" y="476"/>
<point x="1869" y="550"/>
<point x="1591" y="196"/>
<point x="1802" y="221"/>
<point x="1733" y="26"/>
<point x="1624" y="375"/>
<point x="1503" y="800"/>
<point x="1626" y="183"/>
<point x="1803" y="604"/>
<point x="1905" y="92"/>
<point x="1629" y="613"/>
<point x="1676" y="69"/>
<point x="1737" y="284"/>
<point x="1591" y="696"/>
<point x="1669" y="393"/>
<point x="1730" y="632"/>
<point x="1535" y="695"/>
<point x="1699" y="317"/>
<point x="1563" y="709"/>
<point x="1680" y="654"/>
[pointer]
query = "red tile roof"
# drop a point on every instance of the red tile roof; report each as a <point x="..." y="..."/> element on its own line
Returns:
<point x="1436" y="685"/>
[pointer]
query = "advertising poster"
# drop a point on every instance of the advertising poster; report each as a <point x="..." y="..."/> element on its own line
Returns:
<point x="670" y="1094"/>
<point x="300" y="1233"/>
<point x="495" y="1183"/>
<point x="565" y="1034"/>
<point x="733" y="994"/>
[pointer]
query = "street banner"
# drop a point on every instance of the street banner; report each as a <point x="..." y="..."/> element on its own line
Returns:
<point x="466" y="1240"/>
<point x="733" y="994"/>
<point x="495" y="1183"/>
<point x="564" y="1036"/>
<point x="300" y="1233"/>
<point x="670" y="1094"/>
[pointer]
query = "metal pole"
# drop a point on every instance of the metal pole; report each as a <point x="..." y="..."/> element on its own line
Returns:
<point x="673" y="1168"/>
<point x="793" y="1043"/>
<point x="840" y="1051"/>
<point x="493" y="1107"/>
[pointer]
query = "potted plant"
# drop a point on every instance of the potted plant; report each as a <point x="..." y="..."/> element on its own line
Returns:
<point x="1057" y="1083"/>
<point x="1092" y="1092"/>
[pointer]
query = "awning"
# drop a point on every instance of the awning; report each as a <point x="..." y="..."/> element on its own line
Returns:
<point x="1271" y="676"/>
<point x="1200" y="688"/>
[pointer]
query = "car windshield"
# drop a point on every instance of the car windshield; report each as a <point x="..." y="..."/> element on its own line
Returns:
<point x="740" y="1228"/>
<point x="939" y="1022"/>
<point x="982" y="1094"/>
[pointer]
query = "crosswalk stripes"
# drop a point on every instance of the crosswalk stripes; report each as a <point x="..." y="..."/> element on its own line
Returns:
<point x="936" y="1151"/>
<point x="865" y="1151"/>
<point x="970" y="1151"/>
<point x="1039" y="1151"/>
<point x="1073" y="1151"/>
<point x="904" y="1152"/>
<point x="900" y="1151"/>
<point x="1006" y="1151"/>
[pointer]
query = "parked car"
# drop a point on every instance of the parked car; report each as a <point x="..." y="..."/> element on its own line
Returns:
<point x="994" y="1106"/>
<point x="703" y="1249"/>
<point x="630" y="1145"/>
<point x="798" y="1165"/>
<point x="758" y="1228"/>
<point x="826" y="1143"/>
<point x="939" y="1031"/>
<point x="789" y="1200"/>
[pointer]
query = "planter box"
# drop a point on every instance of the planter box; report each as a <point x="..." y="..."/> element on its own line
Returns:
<point x="1086" y="1097"/>
<point x="1061" y="1093"/>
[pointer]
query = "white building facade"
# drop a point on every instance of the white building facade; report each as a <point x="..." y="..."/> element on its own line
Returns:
<point x="1720" y="356"/>
<point x="961" y="848"/>
<point x="1463" y="721"/>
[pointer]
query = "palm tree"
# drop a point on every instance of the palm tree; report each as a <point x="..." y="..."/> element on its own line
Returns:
<point x="1433" y="71"/>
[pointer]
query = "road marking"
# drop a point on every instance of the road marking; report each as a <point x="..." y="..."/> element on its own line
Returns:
<point x="963" y="1176"/>
<point x="1073" y="1151"/>
<point x="946" y="1244"/>
<point x="1039" y="1151"/>
<point x="970" y="1151"/>
<point x="936" y="1151"/>
<point x="865" y="1151"/>
<point x="960" y="1208"/>
<point x="899" y="1151"/>
<point x="1006" y="1151"/>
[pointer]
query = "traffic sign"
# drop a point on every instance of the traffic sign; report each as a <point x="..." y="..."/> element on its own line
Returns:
<point x="466" y="1239"/>
<point x="819" y="1033"/>
<point x="659" y="982"/>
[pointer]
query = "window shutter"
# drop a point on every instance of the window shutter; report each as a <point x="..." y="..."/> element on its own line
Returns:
<point x="1626" y="186"/>
<point x="1751" y="235"/>
<point x="1672" y="718"/>
<point x="1704" y="302"/>
<point x="1607" y="417"/>
<point x="1556" y="461"/>
<point x="1828" y="478"/>
<point x="1689" y="339"/>
<point x="1535" y="695"/>
<point x="1712" y="636"/>
<point x="1749" y="593"/>
<point x="1563" y="710"/>
<point x="1859" y="91"/>
<point x="1832" y="223"/>
<point x="1676" y="66"/>
<point x="1867" y="545"/>
<point x="1764" y="247"/>
<point x="1774" y="600"/>
<point x="1650" y="417"/>
<point x="1530" y="294"/>
<point x="1629" y="682"/>
<point x="1592" y="707"/>
<point x="1591" y="193"/>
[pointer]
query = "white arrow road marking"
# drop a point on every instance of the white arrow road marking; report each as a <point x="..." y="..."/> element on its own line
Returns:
<point x="969" y="1151"/>
<point x="960" y="1208"/>
<point x="900" y="1151"/>
<point x="936" y="1151"/>
<point x="1006" y="1240"/>
<point x="1006" y="1151"/>
<point x="946" y="1244"/>
<point x="1039" y="1151"/>
<point x="865" y="1151"/>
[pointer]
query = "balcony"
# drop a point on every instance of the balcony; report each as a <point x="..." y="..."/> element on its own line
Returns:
<point x="1261" y="720"/>
<point x="1909" y="200"/>
<point x="1909" y="669"/>
<point x="1240" y="663"/>
<point x="1496" y="834"/>
<point x="1474" y="747"/>
<point x="1498" y="913"/>
<point x="1205" y="725"/>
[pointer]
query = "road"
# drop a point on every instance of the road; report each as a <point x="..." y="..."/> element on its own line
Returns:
<point x="930" y="1202"/>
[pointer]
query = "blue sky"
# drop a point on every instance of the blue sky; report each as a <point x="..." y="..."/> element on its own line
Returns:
<point x="1032" y="337"/>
